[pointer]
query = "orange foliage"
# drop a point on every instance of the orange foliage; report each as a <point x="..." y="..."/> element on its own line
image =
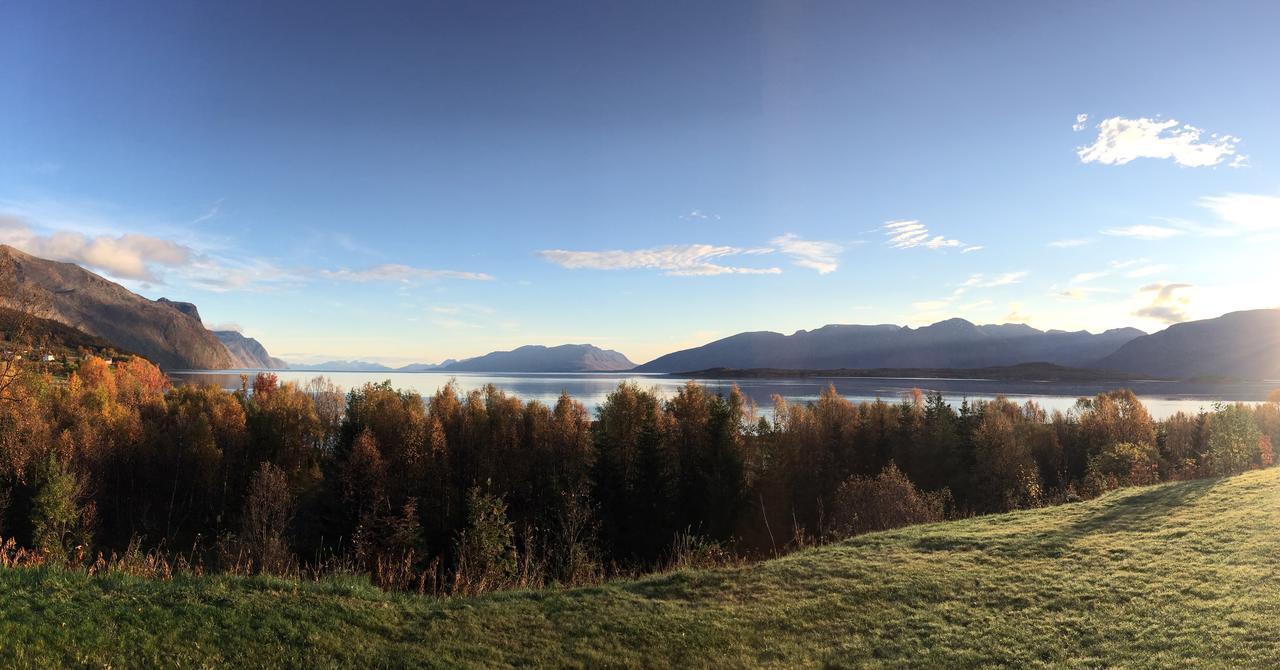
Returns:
<point x="265" y="383"/>
<point x="137" y="378"/>
<point x="96" y="374"/>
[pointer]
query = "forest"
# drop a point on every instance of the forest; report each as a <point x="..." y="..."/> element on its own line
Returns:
<point x="113" y="468"/>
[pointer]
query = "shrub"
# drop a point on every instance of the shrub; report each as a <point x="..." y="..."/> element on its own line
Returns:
<point x="1234" y="442"/>
<point x="268" y="509"/>
<point x="59" y="524"/>
<point x="1123" y="464"/>
<point x="889" y="500"/>
<point x="486" y="552"/>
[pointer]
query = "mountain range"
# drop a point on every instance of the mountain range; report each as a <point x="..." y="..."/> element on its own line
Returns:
<point x="954" y="343"/>
<point x="537" y="358"/>
<point x="529" y="358"/>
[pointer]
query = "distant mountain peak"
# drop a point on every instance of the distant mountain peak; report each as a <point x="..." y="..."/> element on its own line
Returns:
<point x="953" y="322"/>
<point x="541" y="358"/>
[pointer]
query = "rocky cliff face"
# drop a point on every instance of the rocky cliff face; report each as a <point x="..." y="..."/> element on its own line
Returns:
<point x="185" y="307"/>
<point x="248" y="353"/>
<point x="164" y="334"/>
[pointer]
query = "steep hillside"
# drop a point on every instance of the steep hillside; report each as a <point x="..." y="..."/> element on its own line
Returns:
<point x="954" y="343"/>
<point x="50" y="336"/>
<point x="537" y="358"/>
<point x="1171" y="576"/>
<point x="161" y="332"/>
<point x="248" y="353"/>
<point x="1240" y="344"/>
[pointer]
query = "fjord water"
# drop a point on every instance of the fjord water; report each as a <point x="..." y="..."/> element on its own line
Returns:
<point x="1162" y="398"/>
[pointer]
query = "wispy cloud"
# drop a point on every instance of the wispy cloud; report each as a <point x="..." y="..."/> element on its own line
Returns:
<point x="910" y="234"/>
<point x="222" y="274"/>
<point x="212" y="213"/>
<point x="1088" y="277"/>
<point x="1166" y="303"/>
<point x="1144" y="232"/>
<point x="1081" y="122"/>
<point x="1122" y="140"/>
<point x="1148" y="270"/>
<point x="1069" y="243"/>
<point x="699" y="215"/>
<point x="980" y="280"/>
<point x="395" y="272"/>
<point x="674" y="260"/>
<point x="1016" y="314"/>
<point x="1243" y="212"/>
<point x="812" y="254"/>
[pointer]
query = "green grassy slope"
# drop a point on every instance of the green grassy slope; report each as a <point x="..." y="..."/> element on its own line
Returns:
<point x="1178" y="575"/>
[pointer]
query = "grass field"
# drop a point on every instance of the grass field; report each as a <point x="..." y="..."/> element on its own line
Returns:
<point x="1177" y="575"/>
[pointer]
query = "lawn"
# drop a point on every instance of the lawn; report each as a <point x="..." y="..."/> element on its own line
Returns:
<point x="1176" y="575"/>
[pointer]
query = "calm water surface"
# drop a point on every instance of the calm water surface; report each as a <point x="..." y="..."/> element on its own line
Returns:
<point x="1161" y="398"/>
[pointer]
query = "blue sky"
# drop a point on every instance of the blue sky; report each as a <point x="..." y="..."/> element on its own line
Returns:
<point x="415" y="181"/>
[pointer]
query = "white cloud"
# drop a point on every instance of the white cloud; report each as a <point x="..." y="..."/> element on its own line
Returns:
<point x="812" y="254"/>
<point x="980" y="280"/>
<point x="1166" y="303"/>
<point x="909" y="234"/>
<point x="224" y="274"/>
<point x="129" y="256"/>
<point x="1244" y="212"/>
<point x="1081" y="122"/>
<point x="1088" y="277"/>
<point x="395" y="272"/>
<point x="1147" y="271"/>
<point x="1122" y="140"/>
<point x="1066" y="244"/>
<point x="699" y="215"/>
<point x="674" y="260"/>
<point x="972" y="248"/>
<point x="1016" y="315"/>
<point x="1080" y="293"/>
<point x="1144" y="232"/>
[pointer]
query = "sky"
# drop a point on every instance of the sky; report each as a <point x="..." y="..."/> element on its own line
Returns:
<point x="413" y="181"/>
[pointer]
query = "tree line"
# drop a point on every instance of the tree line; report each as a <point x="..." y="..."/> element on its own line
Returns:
<point x="467" y="492"/>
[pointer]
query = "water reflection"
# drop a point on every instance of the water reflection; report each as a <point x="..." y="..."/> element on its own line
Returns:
<point x="1161" y="398"/>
